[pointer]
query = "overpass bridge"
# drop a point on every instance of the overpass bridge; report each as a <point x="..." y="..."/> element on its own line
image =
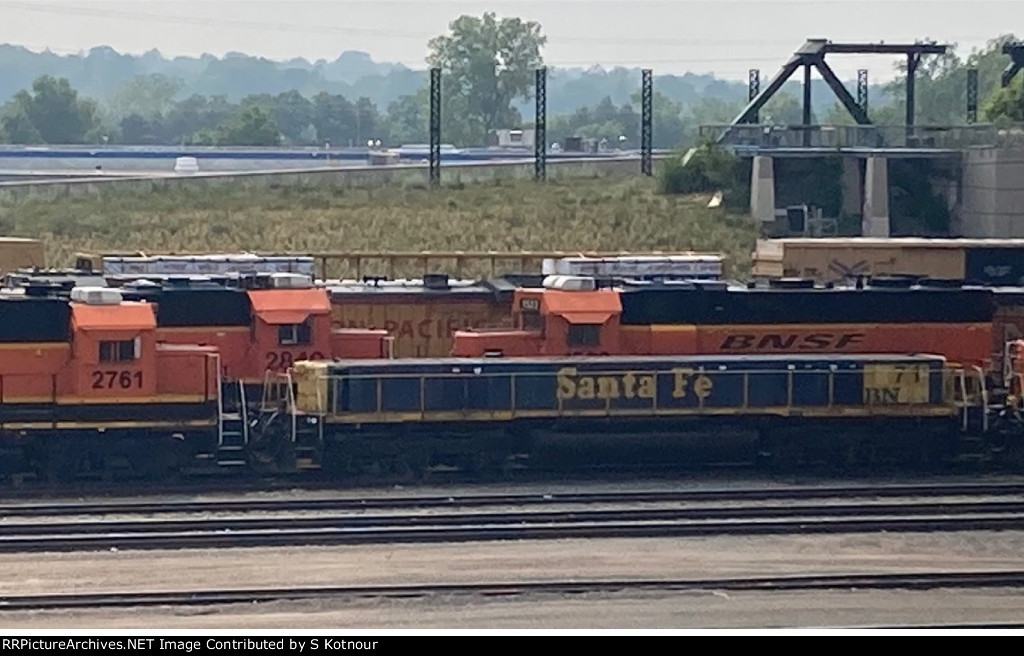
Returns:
<point x="982" y="165"/>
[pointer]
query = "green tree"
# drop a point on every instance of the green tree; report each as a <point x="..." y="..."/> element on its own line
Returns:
<point x="784" y="109"/>
<point x="145" y="95"/>
<point x="1006" y="103"/>
<point x="940" y="86"/>
<point x="408" y="118"/>
<point x="252" y="126"/>
<point x="18" y="127"/>
<point x="53" y="110"/>
<point x="194" y="115"/>
<point x="334" y="118"/>
<point x="487" y="63"/>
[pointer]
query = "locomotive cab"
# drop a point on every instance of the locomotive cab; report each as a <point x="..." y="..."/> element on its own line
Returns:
<point x="569" y="316"/>
<point x="291" y="322"/>
<point x="113" y="345"/>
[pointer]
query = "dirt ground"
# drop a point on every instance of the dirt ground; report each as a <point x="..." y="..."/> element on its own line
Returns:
<point x="727" y="556"/>
<point x="710" y="610"/>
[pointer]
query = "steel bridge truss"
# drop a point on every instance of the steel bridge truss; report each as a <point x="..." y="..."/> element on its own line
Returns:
<point x="812" y="55"/>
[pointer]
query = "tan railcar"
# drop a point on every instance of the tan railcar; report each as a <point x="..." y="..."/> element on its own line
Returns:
<point x="988" y="261"/>
<point x="18" y="252"/>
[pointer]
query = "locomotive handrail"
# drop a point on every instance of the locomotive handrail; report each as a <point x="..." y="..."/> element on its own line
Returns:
<point x="243" y="405"/>
<point x="290" y="396"/>
<point x="220" y="399"/>
<point x="984" y="398"/>
<point x="962" y="377"/>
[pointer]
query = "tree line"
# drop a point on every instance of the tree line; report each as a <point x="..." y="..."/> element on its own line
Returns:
<point x="488" y="65"/>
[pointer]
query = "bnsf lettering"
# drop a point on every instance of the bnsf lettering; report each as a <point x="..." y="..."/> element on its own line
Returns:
<point x="770" y="342"/>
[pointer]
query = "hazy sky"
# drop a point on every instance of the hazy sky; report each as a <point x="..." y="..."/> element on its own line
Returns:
<point x="671" y="36"/>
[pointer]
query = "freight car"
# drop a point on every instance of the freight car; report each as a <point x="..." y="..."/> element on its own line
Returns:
<point x="990" y="262"/>
<point x="572" y="316"/>
<point x="479" y="413"/>
<point x="423" y="315"/>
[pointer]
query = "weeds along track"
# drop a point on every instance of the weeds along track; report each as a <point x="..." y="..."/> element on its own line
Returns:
<point x="263" y="530"/>
<point x="914" y="581"/>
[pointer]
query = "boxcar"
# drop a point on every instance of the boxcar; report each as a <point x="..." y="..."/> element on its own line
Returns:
<point x="984" y="261"/>
<point x="422" y="315"/>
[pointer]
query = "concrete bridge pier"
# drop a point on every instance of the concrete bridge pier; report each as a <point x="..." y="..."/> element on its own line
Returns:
<point x="853" y="188"/>
<point x="762" y="189"/>
<point x="875" y="219"/>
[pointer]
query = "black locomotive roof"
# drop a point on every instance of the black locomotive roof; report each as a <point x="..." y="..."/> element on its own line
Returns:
<point x="32" y="319"/>
<point x="196" y="304"/>
<point x="721" y="304"/>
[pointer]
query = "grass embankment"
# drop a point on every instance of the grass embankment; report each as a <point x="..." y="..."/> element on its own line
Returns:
<point x="588" y="214"/>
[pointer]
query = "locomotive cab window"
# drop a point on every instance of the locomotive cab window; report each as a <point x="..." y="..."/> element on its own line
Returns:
<point x="532" y="321"/>
<point x="294" y="334"/>
<point x="584" y="334"/>
<point x="125" y="350"/>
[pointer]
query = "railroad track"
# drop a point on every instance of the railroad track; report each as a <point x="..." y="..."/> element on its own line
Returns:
<point x="363" y="503"/>
<point x="914" y="581"/>
<point x="213" y="532"/>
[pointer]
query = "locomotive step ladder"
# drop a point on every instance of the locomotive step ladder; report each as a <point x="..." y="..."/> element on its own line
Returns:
<point x="306" y="432"/>
<point x="309" y="443"/>
<point x="303" y="431"/>
<point x="233" y="431"/>
<point x="974" y="399"/>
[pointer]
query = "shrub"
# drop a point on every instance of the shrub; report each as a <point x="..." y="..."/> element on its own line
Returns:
<point x="705" y="169"/>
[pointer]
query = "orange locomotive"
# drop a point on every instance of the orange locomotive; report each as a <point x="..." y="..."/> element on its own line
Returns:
<point x="263" y="325"/>
<point x="90" y="376"/>
<point x="572" y="316"/>
<point x="152" y="375"/>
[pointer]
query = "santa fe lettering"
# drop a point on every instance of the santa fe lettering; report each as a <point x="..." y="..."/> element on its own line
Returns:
<point x="629" y="385"/>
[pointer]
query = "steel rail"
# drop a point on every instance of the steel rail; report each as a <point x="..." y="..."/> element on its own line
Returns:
<point x="514" y="499"/>
<point x="213" y="537"/>
<point x="891" y="581"/>
<point x="518" y="518"/>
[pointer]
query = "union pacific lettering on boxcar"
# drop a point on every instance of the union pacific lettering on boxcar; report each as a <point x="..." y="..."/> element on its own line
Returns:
<point x="428" y="337"/>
